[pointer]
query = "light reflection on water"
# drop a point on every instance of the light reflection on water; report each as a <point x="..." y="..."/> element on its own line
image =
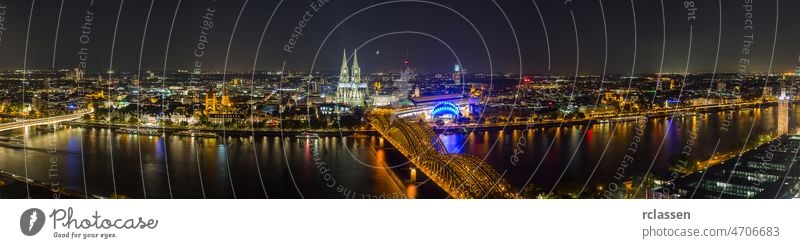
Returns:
<point x="344" y="156"/>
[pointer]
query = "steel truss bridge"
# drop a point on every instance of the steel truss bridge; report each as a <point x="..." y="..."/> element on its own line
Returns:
<point x="461" y="176"/>
<point x="21" y="122"/>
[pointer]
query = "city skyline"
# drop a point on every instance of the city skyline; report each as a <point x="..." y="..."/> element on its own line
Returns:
<point x="423" y="30"/>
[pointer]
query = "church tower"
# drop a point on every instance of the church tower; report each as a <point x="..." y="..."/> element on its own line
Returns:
<point x="356" y="71"/>
<point x="344" y="75"/>
<point x="210" y="101"/>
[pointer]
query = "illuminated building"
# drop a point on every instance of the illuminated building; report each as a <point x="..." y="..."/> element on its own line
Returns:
<point x="314" y="84"/>
<point x="383" y="100"/>
<point x="226" y="100"/>
<point x="76" y="75"/>
<point x="96" y="96"/>
<point x="767" y="92"/>
<point x="350" y="89"/>
<point x="378" y="87"/>
<point x="196" y="97"/>
<point x="457" y="75"/>
<point x="221" y="105"/>
<point x="750" y="175"/>
<point x="474" y="100"/>
<point x="36" y="103"/>
<point x="211" y="102"/>
<point x="407" y="74"/>
<point x="221" y="109"/>
<point x="403" y="85"/>
<point x="783" y="113"/>
<point x="446" y="110"/>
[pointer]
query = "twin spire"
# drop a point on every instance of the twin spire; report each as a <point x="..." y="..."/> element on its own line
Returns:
<point x="344" y="74"/>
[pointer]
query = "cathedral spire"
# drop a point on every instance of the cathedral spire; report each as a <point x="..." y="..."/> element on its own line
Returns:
<point x="343" y="71"/>
<point x="356" y="73"/>
<point x="355" y="59"/>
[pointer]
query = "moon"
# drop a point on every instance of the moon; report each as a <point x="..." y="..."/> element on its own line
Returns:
<point x="378" y="52"/>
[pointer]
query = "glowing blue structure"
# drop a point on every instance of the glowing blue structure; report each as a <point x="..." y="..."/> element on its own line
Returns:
<point x="445" y="109"/>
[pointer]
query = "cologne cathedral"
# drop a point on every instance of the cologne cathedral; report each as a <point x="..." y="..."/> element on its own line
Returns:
<point x="351" y="90"/>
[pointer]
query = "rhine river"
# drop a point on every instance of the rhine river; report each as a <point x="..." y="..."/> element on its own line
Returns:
<point x="346" y="167"/>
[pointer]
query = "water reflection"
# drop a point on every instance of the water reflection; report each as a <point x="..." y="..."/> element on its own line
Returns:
<point x="206" y="167"/>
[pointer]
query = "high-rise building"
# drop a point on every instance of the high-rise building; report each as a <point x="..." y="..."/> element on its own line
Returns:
<point x="36" y="103"/>
<point x="47" y="86"/>
<point x="407" y="74"/>
<point x="351" y="90"/>
<point x="458" y="76"/>
<point x="313" y="84"/>
<point x="76" y="74"/>
<point x="403" y="84"/>
<point x="783" y="113"/>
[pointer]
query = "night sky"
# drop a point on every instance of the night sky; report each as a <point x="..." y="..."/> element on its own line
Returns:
<point x="422" y="29"/>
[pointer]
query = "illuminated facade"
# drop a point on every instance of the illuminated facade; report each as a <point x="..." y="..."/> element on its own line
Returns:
<point x="214" y="105"/>
<point x="474" y="100"/>
<point x="457" y="74"/>
<point x="446" y="110"/>
<point x="403" y="84"/>
<point x="351" y="90"/>
<point x="407" y="74"/>
<point x="783" y="113"/>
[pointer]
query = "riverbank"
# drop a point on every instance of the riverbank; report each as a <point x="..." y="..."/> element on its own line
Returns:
<point x="593" y="121"/>
<point x="454" y="128"/>
<point x="231" y="132"/>
<point x="16" y="187"/>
